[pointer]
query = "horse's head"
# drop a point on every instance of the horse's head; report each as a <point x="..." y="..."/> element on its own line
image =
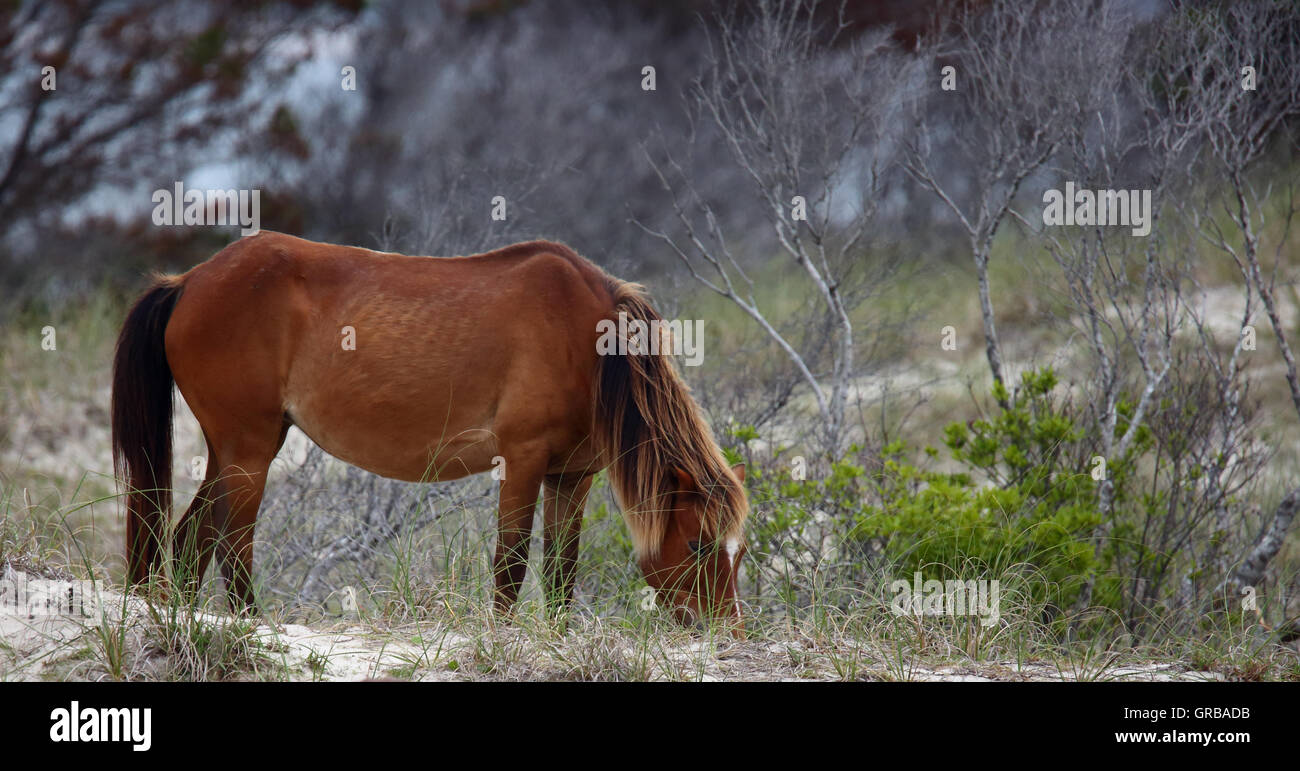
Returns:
<point x="693" y="573"/>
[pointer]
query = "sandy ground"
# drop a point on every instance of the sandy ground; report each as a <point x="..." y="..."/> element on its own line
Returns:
<point x="51" y="629"/>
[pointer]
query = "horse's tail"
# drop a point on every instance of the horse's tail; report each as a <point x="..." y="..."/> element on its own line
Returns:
<point x="142" y="424"/>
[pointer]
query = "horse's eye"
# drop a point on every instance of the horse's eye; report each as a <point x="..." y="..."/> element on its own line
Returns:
<point x="695" y="547"/>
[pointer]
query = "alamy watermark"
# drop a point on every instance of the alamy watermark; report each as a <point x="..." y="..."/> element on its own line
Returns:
<point x="1103" y="208"/>
<point x="657" y="337"/>
<point x="103" y="724"/>
<point x="979" y="597"/>
<point x="19" y="596"/>
<point x="179" y="206"/>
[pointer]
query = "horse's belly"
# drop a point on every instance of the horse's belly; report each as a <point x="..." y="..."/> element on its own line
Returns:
<point x="401" y="449"/>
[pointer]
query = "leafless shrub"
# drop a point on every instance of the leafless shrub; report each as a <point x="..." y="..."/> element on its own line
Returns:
<point x="1026" y="75"/>
<point x="1212" y="58"/>
<point x="809" y="128"/>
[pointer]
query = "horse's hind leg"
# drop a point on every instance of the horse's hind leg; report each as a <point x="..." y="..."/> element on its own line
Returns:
<point x="244" y="460"/>
<point x="563" y="503"/>
<point x="195" y="537"/>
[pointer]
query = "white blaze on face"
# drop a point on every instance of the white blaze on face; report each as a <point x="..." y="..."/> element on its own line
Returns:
<point x="733" y="548"/>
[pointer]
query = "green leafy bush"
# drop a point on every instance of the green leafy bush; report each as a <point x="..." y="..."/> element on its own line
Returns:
<point x="1022" y="501"/>
<point x="1016" y="502"/>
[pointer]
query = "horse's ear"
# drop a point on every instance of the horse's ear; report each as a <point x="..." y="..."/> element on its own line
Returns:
<point x="684" y="480"/>
<point x="739" y="471"/>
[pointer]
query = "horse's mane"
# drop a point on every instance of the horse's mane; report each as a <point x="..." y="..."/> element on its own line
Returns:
<point x="649" y="427"/>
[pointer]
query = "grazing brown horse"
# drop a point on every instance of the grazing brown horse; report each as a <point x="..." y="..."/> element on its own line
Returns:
<point x="422" y="369"/>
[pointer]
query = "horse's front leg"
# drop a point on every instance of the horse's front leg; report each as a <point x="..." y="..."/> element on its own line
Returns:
<point x="523" y="478"/>
<point x="564" y="501"/>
